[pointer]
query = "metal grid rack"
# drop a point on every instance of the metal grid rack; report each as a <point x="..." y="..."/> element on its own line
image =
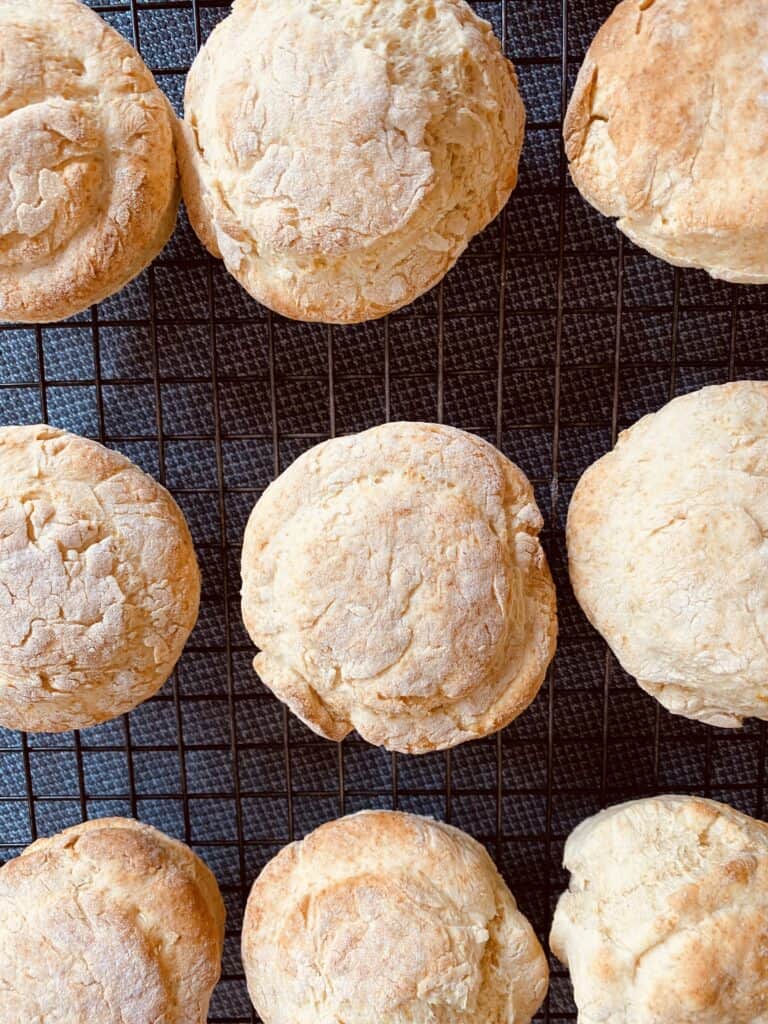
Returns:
<point x="551" y="335"/>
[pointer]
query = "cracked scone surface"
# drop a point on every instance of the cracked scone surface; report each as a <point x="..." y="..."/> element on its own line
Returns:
<point x="340" y="154"/>
<point x="110" y="922"/>
<point x="88" y="180"/>
<point x="99" y="585"/>
<point x="668" y="555"/>
<point x="666" y="917"/>
<point x="395" y="584"/>
<point x="388" y="918"/>
<point x="667" y="131"/>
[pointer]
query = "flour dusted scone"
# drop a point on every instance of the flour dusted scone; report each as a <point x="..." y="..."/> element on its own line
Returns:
<point x="109" y="922"/>
<point x="667" y="131"/>
<point x="339" y="155"/>
<point x="387" y="918"/>
<point x="88" y="181"/>
<point x="667" y="552"/>
<point x="395" y="584"/>
<point x="666" y="917"/>
<point x="99" y="585"/>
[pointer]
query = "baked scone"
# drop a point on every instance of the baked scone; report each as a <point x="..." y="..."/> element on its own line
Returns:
<point x="388" y="918"/>
<point x="395" y="584"/>
<point x="667" y="132"/>
<point x="88" y="181"/>
<point x="109" y="922"/>
<point x="666" y="917"/>
<point x="340" y="155"/>
<point x="99" y="585"/>
<point x="667" y="552"/>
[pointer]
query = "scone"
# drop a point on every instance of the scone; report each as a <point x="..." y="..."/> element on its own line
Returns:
<point x="395" y="584"/>
<point x="340" y="155"/>
<point x="666" y="917"/>
<point x="667" y="131"/>
<point x="386" y="917"/>
<point x="99" y="585"/>
<point x="88" y="180"/>
<point x="109" y="922"/>
<point x="668" y="557"/>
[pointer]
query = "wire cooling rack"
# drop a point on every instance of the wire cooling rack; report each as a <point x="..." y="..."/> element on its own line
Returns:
<point x="551" y="335"/>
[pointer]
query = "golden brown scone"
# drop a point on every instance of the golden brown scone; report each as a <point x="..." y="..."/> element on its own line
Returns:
<point x="340" y="154"/>
<point x="109" y="922"/>
<point x="667" y="131"/>
<point x="395" y="584"/>
<point x="99" y="585"/>
<point x="666" y="917"/>
<point x="667" y="552"/>
<point x="88" y="181"/>
<point x="387" y="918"/>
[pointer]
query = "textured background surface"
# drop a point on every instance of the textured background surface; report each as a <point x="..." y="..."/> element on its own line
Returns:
<point x="550" y="336"/>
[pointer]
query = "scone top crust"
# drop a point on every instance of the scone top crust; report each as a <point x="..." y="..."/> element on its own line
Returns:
<point x="110" y="922"/>
<point x="99" y="585"/>
<point x="667" y="553"/>
<point x="666" y="917"/>
<point x="387" y="917"/>
<point x="395" y="584"/>
<point x="339" y="154"/>
<point x="667" y="131"/>
<point x="88" y="181"/>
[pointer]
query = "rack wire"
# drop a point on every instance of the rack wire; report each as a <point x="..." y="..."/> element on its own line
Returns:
<point x="551" y="335"/>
